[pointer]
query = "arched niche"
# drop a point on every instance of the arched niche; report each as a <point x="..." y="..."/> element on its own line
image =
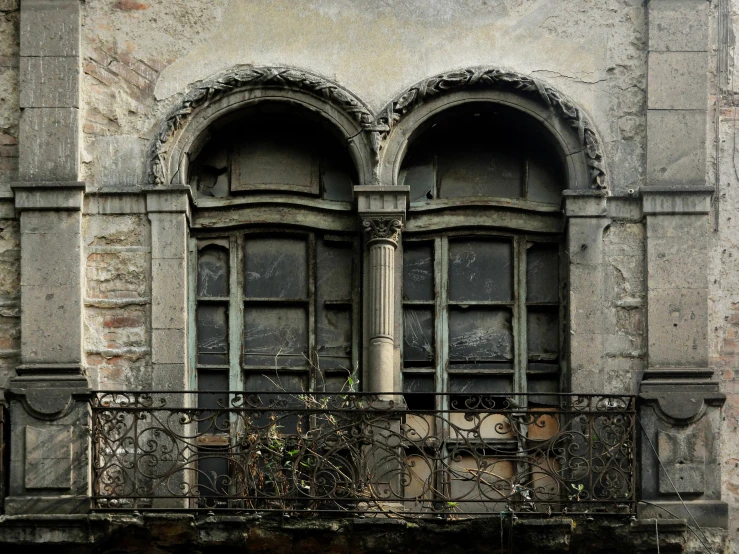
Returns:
<point x="268" y="147"/>
<point x="566" y="125"/>
<point x="222" y="101"/>
<point x="477" y="150"/>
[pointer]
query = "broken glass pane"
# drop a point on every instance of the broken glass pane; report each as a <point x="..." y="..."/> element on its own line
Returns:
<point x="418" y="271"/>
<point x="334" y="270"/>
<point x="334" y="336"/>
<point x="275" y="336"/>
<point x="543" y="332"/>
<point x="212" y="329"/>
<point x="479" y="334"/>
<point x="213" y="271"/>
<point x="418" y="336"/>
<point x="542" y="273"/>
<point x="417" y="172"/>
<point x="275" y="268"/>
<point x="480" y="270"/>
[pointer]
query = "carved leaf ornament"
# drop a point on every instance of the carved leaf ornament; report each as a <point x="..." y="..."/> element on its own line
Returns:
<point x="380" y="125"/>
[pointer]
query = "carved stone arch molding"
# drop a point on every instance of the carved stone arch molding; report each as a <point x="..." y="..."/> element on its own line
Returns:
<point x="377" y="141"/>
<point x="567" y="123"/>
<point x="209" y="100"/>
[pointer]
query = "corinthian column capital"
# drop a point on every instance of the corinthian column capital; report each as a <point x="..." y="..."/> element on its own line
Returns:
<point x="382" y="228"/>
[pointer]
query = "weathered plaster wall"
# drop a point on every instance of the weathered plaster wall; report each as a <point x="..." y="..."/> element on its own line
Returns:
<point x="624" y="347"/>
<point x="138" y="56"/>
<point x="117" y="293"/>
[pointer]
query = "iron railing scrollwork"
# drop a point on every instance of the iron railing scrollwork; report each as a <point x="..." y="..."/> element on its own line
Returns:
<point x="364" y="453"/>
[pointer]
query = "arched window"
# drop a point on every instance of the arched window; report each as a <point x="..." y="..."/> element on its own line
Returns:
<point x="277" y="280"/>
<point x="482" y="292"/>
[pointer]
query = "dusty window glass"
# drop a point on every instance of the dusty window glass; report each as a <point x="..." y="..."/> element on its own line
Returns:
<point x="293" y="314"/>
<point x="481" y="313"/>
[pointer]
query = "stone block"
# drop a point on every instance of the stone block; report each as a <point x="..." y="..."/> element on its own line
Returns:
<point x="586" y="299"/>
<point x="32" y="198"/>
<point x="590" y="205"/>
<point x="50" y="28"/>
<point x="677" y="81"/>
<point x="678" y="25"/>
<point x="168" y="235"/>
<point x="51" y="326"/>
<point x="48" y="144"/>
<point x="676" y="147"/>
<point x="585" y="240"/>
<point x="168" y="346"/>
<point x="677" y="263"/>
<point x="169" y="298"/>
<point x="119" y="160"/>
<point x="678" y="327"/>
<point x="49" y="82"/>
<point x="167" y="200"/>
<point x="677" y="226"/>
<point x="675" y="201"/>
<point x="48" y="457"/>
<point x="172" y="377"/>
<point x="50" y="242"/>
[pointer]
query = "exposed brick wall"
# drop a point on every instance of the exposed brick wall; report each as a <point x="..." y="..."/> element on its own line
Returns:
<point x="117" y="302"/>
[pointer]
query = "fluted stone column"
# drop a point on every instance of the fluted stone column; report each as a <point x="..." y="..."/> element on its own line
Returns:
<point x="382" y="209"/>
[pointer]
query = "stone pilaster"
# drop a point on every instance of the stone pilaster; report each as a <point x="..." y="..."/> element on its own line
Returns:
<point x="679" y="401"/>
<point x="586" y="220"/>
<point x="49" y="408"/>
<point x="382" y="209"/>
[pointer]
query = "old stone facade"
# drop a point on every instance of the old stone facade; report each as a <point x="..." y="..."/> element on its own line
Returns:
<point x="139" y="143"/>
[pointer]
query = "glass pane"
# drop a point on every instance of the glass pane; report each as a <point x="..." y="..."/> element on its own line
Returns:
<point x="545" y="388"/>
<point x="418" y="271"/>
<point x="334" y="275"/>
<point x="545" y="179"/>
<point x="213" y="476"/>
<point x="543" y="332"/>
<point x="284" y="419"/>
<point x="212" y="329"/>
<point x="480" y="334"/>
<point x="334" y="335"/>
<point x="422" y="398"/>
<point x="417" y="172"/>
<point x="480" y="270"/>
<point x="542" y="273"/>
<point x="418" y="336"/>
<point x="213" y="271"/>
<point x="217" y="420"/>
<point x="275" y="336"/>
<point x="275" y="268"/>
<point x="478" y="384"/>
<point x="480" y="170"/>
<point x="336" y="179"/>
<point x="418" y="383"/>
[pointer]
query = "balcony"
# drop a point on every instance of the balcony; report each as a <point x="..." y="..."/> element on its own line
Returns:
<point x="410" y="456"/>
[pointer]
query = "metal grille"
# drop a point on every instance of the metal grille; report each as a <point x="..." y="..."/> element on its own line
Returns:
<point x="364" y="453"/>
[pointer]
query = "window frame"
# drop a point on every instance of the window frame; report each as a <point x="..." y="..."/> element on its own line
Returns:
<point x="236" y="302"/>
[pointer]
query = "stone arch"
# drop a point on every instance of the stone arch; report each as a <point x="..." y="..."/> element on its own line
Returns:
<point x="236" y="88"/>
<point x="568" y="123"/>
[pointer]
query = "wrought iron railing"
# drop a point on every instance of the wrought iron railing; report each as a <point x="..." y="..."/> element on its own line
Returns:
<point x="364" y="453"/>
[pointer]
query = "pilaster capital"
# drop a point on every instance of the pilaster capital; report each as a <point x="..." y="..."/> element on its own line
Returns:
<point x="48" y="195"/>
<point x="382" y="209"/>
<point x="676" y="200"/>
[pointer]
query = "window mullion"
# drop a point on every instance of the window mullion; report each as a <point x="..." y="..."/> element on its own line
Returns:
<point x="236" y="312"/>
<point x="441" y="280"/>
<point x="520" y="354"/>
<point x="312" y="353"/>
<point x="192" y="307"/>
<point x="356" y="309"/>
